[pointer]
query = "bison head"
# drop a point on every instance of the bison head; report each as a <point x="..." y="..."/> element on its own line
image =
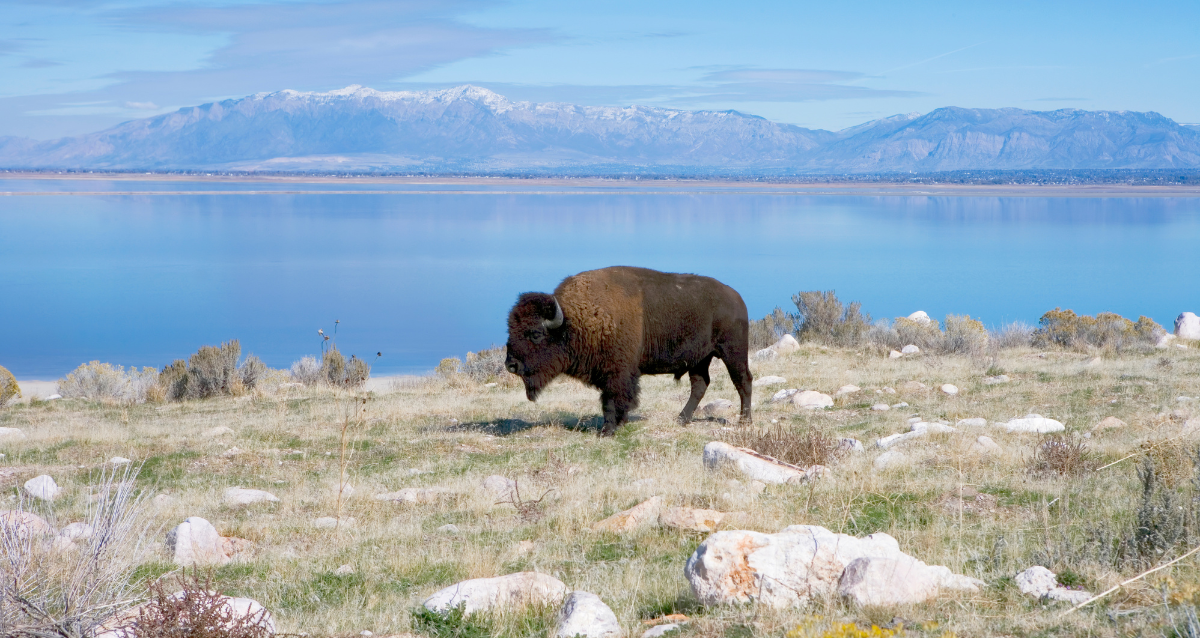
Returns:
<point x="537" y="344"/>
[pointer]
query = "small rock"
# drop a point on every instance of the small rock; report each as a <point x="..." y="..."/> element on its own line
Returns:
<point x="950" y="389"/>
<point x="1069" y="596"/>
<point x="11" y="435"/>
<point x="232" y="452"/>
<point x="1033" y="423"/>
<point x="500" y="487"/>
<point x="1165" y="341"/>
<point x="119" y="460"/>
<point x="718" y="408"/>
<point x="448" y="528"/>
<point x="920" y="317"/>
<point x="975" y="422"/>
<point x="503" y="593"/>
<point x="584" y="615"/>
<point x="768" y="381"/>
<point x="1187" y="326"/>
<point x="662" y="630"/>
<point x="196" y="542"/>
<point x="996" y="380"/>
<point x="984" y="445"/>
<point x="22" y="524"/>
<point x="757" y="487"/>
<point x="881" y="407"/>
<point x="1181" y="346"/>
<point x="910" y="349"/>
<point x="913" y="386"/>
<point x="811" y="400"/>
<point x="631" y="519"/>
<point x="891" y="458"/>
<point x="217" y="431"/>
<point x="53" y="397"/>
<point x="242" y="496"/>
<point x="1108" y="423"/>
<point x="756" y="466"/>
<point x="367" y="633"/>
<point x="766" y="354"/>
<point x="848" y="444"/>
<point x="783" y="395"/>
<point x="894" y="354"/>
<point x="902" y="404"/>
<point x="490" y="385"/>
<point x="968" y="501"/>
<point x="42" y="488"/>
<point x="415" y="495"/>
<point x="847" y="389"/>
<point x="1037" y="581"/>
<point x="916" y="430"/>
<point x="887" y="390"/>
<point x="695" y="520"/>
<point x="913" y="419"/>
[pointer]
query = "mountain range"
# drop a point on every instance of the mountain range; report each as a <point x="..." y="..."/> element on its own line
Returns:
<point x="471" y="129"/>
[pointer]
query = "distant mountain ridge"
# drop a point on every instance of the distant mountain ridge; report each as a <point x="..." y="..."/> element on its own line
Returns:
<point x="471" y="129"/>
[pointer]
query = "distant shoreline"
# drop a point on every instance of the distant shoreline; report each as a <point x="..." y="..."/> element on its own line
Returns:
<point x="591" y="185"/>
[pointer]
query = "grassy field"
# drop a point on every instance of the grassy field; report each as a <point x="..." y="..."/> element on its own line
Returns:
<point x="373" y="571"/>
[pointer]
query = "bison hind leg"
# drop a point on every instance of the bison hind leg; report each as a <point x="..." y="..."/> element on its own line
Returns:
<point x="699" y="377"/>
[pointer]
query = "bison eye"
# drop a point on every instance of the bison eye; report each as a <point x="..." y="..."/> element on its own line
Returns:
<point x="535" y="336"/>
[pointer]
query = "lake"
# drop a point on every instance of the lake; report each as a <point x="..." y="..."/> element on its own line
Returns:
<point x="142" y="272"/>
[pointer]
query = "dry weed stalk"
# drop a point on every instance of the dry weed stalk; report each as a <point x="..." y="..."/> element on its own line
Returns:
<point x="529" y="511"/>
<point x="358" y="406"/>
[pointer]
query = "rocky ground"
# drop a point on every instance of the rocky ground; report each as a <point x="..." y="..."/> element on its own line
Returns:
<point x="950" y="478"/>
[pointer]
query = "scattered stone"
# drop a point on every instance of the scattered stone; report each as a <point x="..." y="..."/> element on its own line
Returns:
<point x="217" y="431"/>
<point x="849" y="444"/>
<point x="876" y="581"/>
<point x="920" y="317"/>
<point x="1187" y="326"/>
<point x="419" y="495"/>
<point x="975" y="422"/>
<point x="242" y="496"/>
<point x="766" y="354"/>
<point x="902" y="404"/>
<point x="694" y="520"/>
<point x="633" y="518"/>
<point x="234" y="451"/>
<point x="491" y="385"/>
<point x="768" y="381"/>
<point x="985" y="446"/>
<point x="812" y="400"/>
<point x="805" y="562"/>
<point x="783" y="395"/>
<point x="950" y="389"/>
<point x="913" y="386"/>
<point x="1035" y="423"/>
<point x="894" y="354"/>
<point x="500" y="487"/>
<point x="119" y="460"/>
<point x="787" y="344"/>
<point x="42" y="488"/>
<point x="23" y="524"/>
<point x="881" y="407"/>
<point x="910" y="349"/>
<point x="76" y="531"/>
<point x="891" y="458"/>
<point x="996" y="380"/>
<point x="662" y="630"/>
<point x="53" y="397"/>
<point x="887" y="390"/>
<point x="846" y="389"/>
<point x="916" y="430"/>
<point x="449" y="528"/>
<point x="503" y="593"/>
<point x="11" y="435"/>
<point x="1181" y="346"/>
<point x="344" y="570"/>
<point x="718" y="408"/>
<point x="196" y="542"/>
<point x="914" y="419"/>
<point x="1039" y="582"/>
<point x="1108" y="423"/>
<point x="968" y="501"/>
<point x="584" y="614"/>
<point x="759" y="467"/>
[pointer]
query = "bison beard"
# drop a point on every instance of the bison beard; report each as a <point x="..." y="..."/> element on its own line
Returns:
<point x="608" y="327"/>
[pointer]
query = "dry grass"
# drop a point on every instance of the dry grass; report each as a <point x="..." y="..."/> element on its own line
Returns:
<point x="803" y="447"/>
<point x="452" y="432"/>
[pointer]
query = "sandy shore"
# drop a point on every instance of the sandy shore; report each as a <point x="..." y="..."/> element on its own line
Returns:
<point x="37" y="389"/>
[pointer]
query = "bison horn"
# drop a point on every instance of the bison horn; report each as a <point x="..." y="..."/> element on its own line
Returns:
<point x="557" y="321"/>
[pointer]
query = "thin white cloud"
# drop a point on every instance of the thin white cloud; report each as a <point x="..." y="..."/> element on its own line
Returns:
<point x="936" y="57"/>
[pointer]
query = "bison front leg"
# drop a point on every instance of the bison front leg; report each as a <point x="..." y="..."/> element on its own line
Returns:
<point x="617" y="400"/>
<point x="698" y="374"/>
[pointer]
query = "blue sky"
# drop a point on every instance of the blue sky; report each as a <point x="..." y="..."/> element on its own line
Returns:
<point x="75" y="66"/>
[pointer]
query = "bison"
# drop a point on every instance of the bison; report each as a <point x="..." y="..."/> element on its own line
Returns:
<point x="608" y="327"/>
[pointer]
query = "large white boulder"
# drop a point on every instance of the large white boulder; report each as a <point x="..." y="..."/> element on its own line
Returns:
<point x="787" y="344"/>
<point x="798" y="564"/>
<point x="196" y="542"/>
<point x="502" y="593"/>
<point x="584" y="614"/>
<point x="242" y="496"/>
<point x="1035" y="423"/>
<point x="920" y="317"/>
<point x="910" y="349"/>
<point x="11" y="435"/>
<point x="42" y="488"/>
<point x="812" y="400"/>
<point x="1187" y="326"/>
<point x="759" y="467"/>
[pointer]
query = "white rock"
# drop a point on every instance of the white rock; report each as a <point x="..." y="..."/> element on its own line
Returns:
<point x="503" y="593"/>
<point x="1181" y="346"/>
<point x="881" y="407"/>
<point x="975" y="422"/>
<point x="22" y="524"/>
<point x="812" y="400"/>
<point x="910" y="349"/>
<point x="916" y="430"/>
<point x="950" y="389"/>
<point x="1109" y="423"/>
<point x="42" y="488"/>
<point x="787" y="344"/>
<point x="638" y="516"/>
<point x="766" y="354"/>
<point x="851" y="445"/>
<point x="996" y="380"/>
<point x="1037" y="581"/>
<point x="768" y="381"/>
<point x="920" y="317"/>
<point x="760" y="467"/>
<point x="1033" y="423"/>
<point x="237" y="611"/>
<point x="902" y="404"/>
<point x="876" y="581"/>
<point x="1069" y="596"/>
<point x="500" y="487"/>
<point x="344" y="570"/>
<point x="584" y="614"/>
<point x="891" y="458"/>
<point x="196" y="542"/>
<point x="719" y="407"/>
<point x="984" y="445"/>
<point x="11" y="435"/>
<point x="1165" y="341"/>
<point x="889" y="390"/>
<point x="448" y="528"/>
<point x="894" y="354"/>
<point x="242" y="496"/>
<point x="847" y="389"/>
<point x="662" y="630"/>
<point x="119" y="460"/>
<point x="801" y="563"/>
<point x="217" y="431"/>
<point x="415" y="495"/>
<point x="53" y="397"/>
<point x="1187" y="326"/>
<point x="783" y="395"/>
<point x="76" y="531"/>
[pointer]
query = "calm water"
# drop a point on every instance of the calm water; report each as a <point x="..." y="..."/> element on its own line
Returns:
<point x="147" y="278"/>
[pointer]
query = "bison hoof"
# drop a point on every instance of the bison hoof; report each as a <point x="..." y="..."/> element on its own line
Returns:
<point x="607" y="431"/>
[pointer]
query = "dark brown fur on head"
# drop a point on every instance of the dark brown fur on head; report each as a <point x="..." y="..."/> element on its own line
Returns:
<point x="535" y="353"/>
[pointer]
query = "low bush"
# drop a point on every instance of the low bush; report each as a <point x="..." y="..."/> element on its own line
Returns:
<point x="1014" y="335"/>
<point x="823" y="319"/>
<point x="963" y="335"/>
<point x="769" y="329"/>
<point x="211" y="371"/>
<point x="1065" y="329"/>
<point x="799" y="447"/>
<point x="307" y="371"/>
<point x="8" y="387"/>
<point x="1063" y="455"/>
<point x="486" y="366"/>
<point x="334" y="369"/>
<point x="97" y="381"/>
<point x="195" y="610"/>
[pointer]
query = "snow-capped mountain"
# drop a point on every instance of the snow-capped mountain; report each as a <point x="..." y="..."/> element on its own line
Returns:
<point x="473" y="129"/>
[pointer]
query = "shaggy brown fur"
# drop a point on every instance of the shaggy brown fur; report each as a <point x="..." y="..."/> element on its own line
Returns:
<point x="622" y="322"/>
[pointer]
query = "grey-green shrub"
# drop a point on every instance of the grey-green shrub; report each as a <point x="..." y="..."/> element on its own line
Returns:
<point x="486" y="365"/>
<point x="1064" y="328"/>
<point x="825" y="320"/>
<point x="212" y="371"/>
<point x="97" y="381"/>
<point x="769" y="329"/>
<point x="1014" y="335"/>
<point x="307" y="371"/>
<point x="252" y="371"/>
